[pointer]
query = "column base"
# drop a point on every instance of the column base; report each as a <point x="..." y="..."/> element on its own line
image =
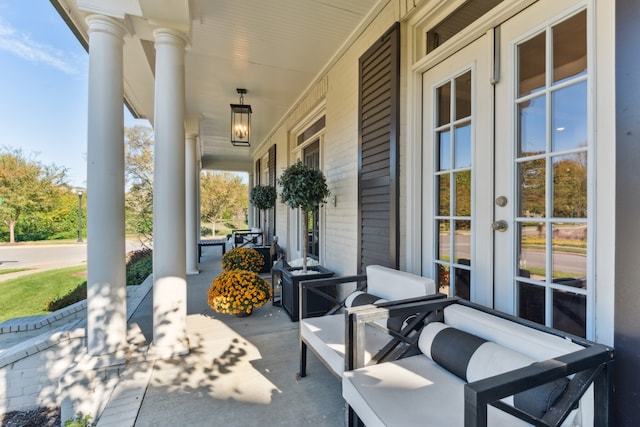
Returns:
<point x="192" y="272"/>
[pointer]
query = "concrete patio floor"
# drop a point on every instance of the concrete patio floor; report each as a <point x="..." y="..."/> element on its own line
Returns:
<point x="239" y="372"/>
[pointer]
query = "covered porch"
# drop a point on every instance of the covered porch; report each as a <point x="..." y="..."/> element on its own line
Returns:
<point x="311" y="74"/>
<point x="239" y="371"/>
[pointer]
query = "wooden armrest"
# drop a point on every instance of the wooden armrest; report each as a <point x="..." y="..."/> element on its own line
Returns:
<point x="588" y="364"/>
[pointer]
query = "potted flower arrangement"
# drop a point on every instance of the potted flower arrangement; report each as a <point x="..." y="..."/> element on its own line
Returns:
<point x="263" y="197"/>
<point x="238" y="292"/>
<point x="303" y="187"/>
<point x="242" y="259"/>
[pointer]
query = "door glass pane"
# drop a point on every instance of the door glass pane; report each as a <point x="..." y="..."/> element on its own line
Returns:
<point x="462" y="242"/>
<point x="552" y="142"/>
<point x="463" y="96"/>
<point x="532" y="188"/>
<point x="569" y="254"/>
<point x="463" y="146"/>
<point x="531" y="65"/>
<point x="443" y="95"/>
<point x="569" y="117"/>
<point x="531" y="258"/>
<point x="570" y="312"/>
<point x="570" y="48"/>
<point x="444" y="192"/>
<point x="444" y="240"/>
<point x="444" y="148"/>
<point x="570" y="186"/>
<point x="463" y="193"/>
<point x="462" y="282"/>
<point x="531" y="302"/>
<point x="532" y="127"/>
<point x="443" y="279"/>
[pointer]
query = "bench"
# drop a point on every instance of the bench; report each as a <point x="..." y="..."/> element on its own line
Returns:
<point x="211" y="242"/>
<point x="476" y="367"/>
<point x="325" y="335"/>
<point x="242" y="238"/>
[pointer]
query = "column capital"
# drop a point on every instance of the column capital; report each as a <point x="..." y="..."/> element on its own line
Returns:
<point x="169" y="36"/>
<point x="105" y="24"/>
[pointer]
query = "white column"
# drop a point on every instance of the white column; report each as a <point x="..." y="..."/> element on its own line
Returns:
<point x="169" y="229"/>
<point x="106" y="290"/>
<point x="251" y="209"/>
<point x="191" y="169"/>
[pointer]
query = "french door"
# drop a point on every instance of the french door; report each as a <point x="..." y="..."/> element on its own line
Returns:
<point x="507" y="168"/>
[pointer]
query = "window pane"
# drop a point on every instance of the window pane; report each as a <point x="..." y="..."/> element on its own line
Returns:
<point x="462" y="282"/>
<point x="463" y="96"/>
<point x="462" y="143"/>
<point x="532" y="127"/>
<point x="570" y="48"/>
<point x="443" y="94"/>
<point x="444" y="191"/>
<point x="570" y="186"/>
<point x="531" y="65"/>
<point x="462" y="242"/>
<point x="463" y="193"/>
<point x="569" y="117"/>
<point x="569" y="254"/>
<point x="443" y="279"/>
<point x="531" y="252"/>
<point x="570" y="312"/>
<point x="444" y="240"/>
<point x="444" y="149"/>
<point x="531" y="302"/>
<point x="532" y="188"/>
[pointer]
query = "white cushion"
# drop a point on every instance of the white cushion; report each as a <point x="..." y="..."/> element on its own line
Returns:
<point x="392" y="284"/>
<point x="414" y="391"/>
<point x="325" y="335"/>
<point x="536" y="344"/>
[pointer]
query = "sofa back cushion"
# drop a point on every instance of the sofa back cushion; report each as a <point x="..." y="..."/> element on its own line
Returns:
<point x="533" y="343"/>
<point x="392" y="285"/>
<point x="473" y="358"/>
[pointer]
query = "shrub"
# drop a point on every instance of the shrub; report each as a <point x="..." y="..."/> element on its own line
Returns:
<point x="139" y="266"/>
<point x="237" y="291"/>
<point x="79" y="293"/>
<point x="242" y="259"/>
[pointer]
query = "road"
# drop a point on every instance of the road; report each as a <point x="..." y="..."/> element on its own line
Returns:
<point x="44" y="257"/>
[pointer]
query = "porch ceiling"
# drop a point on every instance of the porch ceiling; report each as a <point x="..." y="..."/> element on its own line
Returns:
<point x="275" y="49"/>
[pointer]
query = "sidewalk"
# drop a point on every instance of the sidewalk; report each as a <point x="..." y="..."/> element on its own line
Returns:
<point x="239" y="372"/>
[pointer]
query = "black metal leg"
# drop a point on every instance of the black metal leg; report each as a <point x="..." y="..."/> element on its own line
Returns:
<point x="303" y="359"/>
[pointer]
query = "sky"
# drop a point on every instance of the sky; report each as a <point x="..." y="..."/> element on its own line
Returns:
<point x="43" y="87"/>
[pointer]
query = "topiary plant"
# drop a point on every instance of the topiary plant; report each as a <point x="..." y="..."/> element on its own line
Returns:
<point x="263" y="197"/>
<point x="303" y="187"/>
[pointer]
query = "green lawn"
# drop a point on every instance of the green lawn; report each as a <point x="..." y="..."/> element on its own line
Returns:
<point x="13" y="270"/>
<point x="28" y="295"/>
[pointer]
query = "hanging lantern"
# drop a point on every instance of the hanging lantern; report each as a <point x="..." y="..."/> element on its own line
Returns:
<point x="241" y="122"/>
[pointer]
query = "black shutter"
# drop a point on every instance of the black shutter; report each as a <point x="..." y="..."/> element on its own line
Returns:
<point x="271" y="227"/>
<point x="378" y="139"/>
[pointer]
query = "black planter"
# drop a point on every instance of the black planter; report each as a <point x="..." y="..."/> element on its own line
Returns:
<point x="290" y="286"/>
<point x="265" y="251"/>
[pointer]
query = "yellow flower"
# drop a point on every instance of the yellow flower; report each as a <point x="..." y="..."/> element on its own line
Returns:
<point x="238" y="290"/>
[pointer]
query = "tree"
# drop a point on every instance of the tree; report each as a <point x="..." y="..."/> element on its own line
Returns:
<point x="263" y="197"/>
<point x="305" y="188"/>
<point x="138" y="160"/>
<point x="27" y="186"/>
<point x="222" y="195"/>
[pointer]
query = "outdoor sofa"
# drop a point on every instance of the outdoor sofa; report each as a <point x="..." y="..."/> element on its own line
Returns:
<point x="476" y="367"/>
<point x="380" y="285"/>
